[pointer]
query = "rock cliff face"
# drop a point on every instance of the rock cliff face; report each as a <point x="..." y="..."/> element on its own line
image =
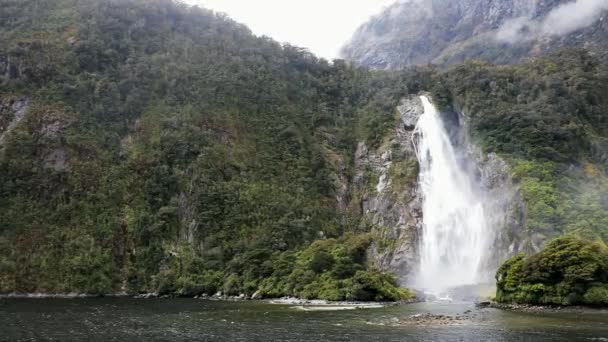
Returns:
<point x="3" y="66"/>
<point x="391" y="201"/>
<point x="447" y="32"/>
<point x="387" y="189"/>
<point x="10" y="68"/>
<point x="48" y="126"/>
<point x="12" y="111"/>
<point x="503" y="202"/>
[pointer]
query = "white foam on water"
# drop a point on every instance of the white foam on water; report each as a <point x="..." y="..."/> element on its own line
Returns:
<point x="456" y="235"/>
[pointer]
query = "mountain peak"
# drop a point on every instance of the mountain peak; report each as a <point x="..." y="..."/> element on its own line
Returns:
<point x="451" y="31"/>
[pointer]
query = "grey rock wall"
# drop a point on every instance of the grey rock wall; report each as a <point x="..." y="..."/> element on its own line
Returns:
<point x="386" y="179"/>
<point x="3" y="66"/>
<point x="443" y="32"/>
<point x="392" y="203"/>
<point x="11" y="113"/>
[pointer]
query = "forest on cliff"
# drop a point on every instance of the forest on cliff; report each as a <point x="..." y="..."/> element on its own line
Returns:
<point x="166" y="149"/>
<point x="148" y="146"/>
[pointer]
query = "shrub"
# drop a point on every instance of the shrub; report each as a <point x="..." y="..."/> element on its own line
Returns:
<point x="568" y="271"/>
<point x="321" y="261"/>
<point x="232" y="286"/>
<point x="597" y="295"/>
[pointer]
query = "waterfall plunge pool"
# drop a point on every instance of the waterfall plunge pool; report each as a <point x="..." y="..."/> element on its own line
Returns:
<point x="126" y="319"/>
<point x="456" y="234"/>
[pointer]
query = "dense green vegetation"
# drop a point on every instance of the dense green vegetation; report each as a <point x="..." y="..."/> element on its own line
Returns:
<point x="547" y="118"/>
<point x="333" y="269"/>
<point x="550" y="108"/>
<point x="568" y="271"/>
<point x="167" y="149"/>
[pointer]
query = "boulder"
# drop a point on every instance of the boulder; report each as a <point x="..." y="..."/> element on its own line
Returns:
<point x="257" y="295"/>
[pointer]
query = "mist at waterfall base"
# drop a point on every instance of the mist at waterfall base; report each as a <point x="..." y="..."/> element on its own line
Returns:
<point x="457" y="234"/>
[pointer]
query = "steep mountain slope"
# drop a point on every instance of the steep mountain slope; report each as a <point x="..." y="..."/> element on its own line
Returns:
<point x="417" y="32"/>
<point x="537" y="132"/>
<point x="146" y="146"/>
<point x="149" y="146"/>
<point x="548" y="118"/>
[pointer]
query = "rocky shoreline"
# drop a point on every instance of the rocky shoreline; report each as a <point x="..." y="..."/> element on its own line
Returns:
<point x="543" y="308"/>
<point x="311" y="303"/>
<point x="71" y="295"/>
<point x="428" y="319"/>
<point x="216" y="297"/>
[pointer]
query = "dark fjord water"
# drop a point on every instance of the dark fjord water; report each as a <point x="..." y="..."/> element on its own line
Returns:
<point x="121" y="319"/>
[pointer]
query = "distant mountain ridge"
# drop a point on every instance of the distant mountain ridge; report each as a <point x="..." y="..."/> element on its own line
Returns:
<point x="444" y="32"/>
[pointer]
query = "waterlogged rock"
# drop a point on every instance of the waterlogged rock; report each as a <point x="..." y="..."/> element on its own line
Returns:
<point x="482" y="305"/>
<point x="38" y="295"/>
<point x="324" y="305"/>
<point x="428" y="319"/>
<point x="147" y="295"/>
<point x="338" y="307"/>
<point x="294" y="301"/>
<point x="218" y="296"/>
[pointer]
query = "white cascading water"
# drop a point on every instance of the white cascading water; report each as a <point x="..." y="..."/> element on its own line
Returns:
<point x="455" y="229"/>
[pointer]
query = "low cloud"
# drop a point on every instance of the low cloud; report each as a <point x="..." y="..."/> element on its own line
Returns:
<point x="563" y="20"/>
<point x="518" y="30"/>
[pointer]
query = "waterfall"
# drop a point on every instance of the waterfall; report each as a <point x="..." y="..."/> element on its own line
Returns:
<point x="456" y="232"/>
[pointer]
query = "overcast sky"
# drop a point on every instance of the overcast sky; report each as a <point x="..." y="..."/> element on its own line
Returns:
<point x="322" y="26"/>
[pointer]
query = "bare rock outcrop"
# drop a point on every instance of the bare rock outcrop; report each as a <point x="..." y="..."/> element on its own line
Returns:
<point x="11" y="113"/>
<point x="445" y="32"/>
<point x="47" y="127"/>
<point x="386" y="187"/>
<point x="386" y="181"/>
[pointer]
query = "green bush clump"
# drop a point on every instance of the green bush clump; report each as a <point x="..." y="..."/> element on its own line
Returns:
<point x="335" y="269"/>
<point x="569" y="271"/>
<point x="548" y="108"/>
<point x="597" y="295"/>
<point x="331" y="269"/>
